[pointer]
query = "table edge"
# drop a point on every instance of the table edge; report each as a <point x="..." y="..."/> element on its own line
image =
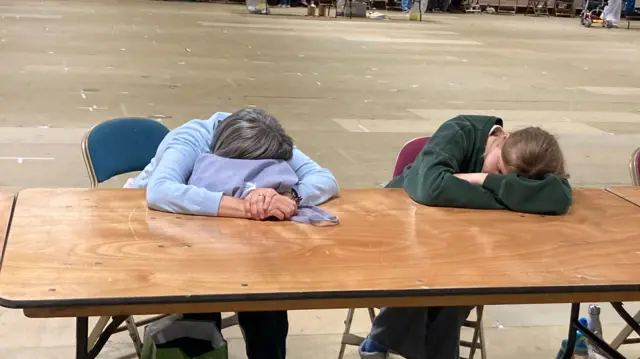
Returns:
<point x="321" y="295"/>
<point x="612" y="190"/>
<point x="5" y="239"/>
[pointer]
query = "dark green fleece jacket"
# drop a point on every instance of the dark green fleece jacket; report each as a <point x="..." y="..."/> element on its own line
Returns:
<point x="458" y="147"/>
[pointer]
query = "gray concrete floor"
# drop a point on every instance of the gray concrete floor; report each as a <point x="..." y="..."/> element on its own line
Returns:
<point x="350" y="92"/>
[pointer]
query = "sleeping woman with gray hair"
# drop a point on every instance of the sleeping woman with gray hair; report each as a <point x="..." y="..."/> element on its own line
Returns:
<point x="250" y="155"/>
<point x="196" y="153"/>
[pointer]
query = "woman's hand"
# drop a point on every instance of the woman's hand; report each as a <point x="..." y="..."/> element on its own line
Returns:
<point x="258" y="201"/>
<point x="475" y="178"/>
<point x="282" y="207"/>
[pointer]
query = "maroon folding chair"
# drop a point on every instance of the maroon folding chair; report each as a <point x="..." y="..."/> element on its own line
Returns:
<point x="634" y="167"/>
<point x="407" y="156"/>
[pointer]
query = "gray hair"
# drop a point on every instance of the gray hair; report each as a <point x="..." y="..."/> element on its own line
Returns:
<point x="252" y="134"/>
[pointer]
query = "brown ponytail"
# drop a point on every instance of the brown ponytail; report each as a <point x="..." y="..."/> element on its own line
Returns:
<point x="533" y="152"/>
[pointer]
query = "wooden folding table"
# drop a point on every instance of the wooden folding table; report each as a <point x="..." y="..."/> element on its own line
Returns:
<point x="102" y="252"/>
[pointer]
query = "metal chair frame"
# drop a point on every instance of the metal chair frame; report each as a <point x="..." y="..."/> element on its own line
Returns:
<point x="634" y="171"/>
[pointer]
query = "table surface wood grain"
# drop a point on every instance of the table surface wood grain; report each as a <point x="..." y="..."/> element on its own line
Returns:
<point x="103" y="250"/>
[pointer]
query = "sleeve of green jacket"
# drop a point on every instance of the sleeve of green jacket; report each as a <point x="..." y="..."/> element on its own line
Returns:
<point x="431" y="181"/>
<point x="550" y="195"/>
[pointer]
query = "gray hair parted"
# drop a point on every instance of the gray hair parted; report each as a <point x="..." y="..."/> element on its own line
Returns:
<point x="252" y="134"/>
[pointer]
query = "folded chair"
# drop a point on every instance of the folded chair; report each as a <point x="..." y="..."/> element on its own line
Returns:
<point x="110" y="149"/>
<point x="537" y="8"/>
<point x="623" y="336"/>
<point x="564" y="8"/>
<point x="505" y="6"/>
<point x="471" y="7"/>
<point x="407" y="156"/>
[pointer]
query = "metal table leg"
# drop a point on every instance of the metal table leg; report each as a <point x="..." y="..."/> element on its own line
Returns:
<point x="82" y="338"/>
<point x="571" y="339"/>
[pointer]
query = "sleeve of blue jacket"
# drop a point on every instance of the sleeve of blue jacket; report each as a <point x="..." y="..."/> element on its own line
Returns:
<point x="167" y="189"/>
<point x="316" y="185"/>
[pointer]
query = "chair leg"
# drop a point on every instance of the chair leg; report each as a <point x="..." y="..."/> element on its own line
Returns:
<point x="474" y="337"/>
<point x="135" y="336"/>
<point x="230" y="321"/>
<point x="347" y="332"/>
<point x="477" y="340"/>
<point x="372" y="314"/>
<point x="483" y="345"/>
<point x="624" y="333"/>
<point x="96" y="331"/>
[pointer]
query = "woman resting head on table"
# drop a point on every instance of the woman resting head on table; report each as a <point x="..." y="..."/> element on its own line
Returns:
<point x="247" y="156"/>
<point x="166" y="177"/>
<point x="470" y="162"/>
<point x="251" y="133"/>
<point x="263" y="139"/>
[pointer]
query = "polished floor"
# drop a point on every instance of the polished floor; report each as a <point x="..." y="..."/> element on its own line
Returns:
<point x="350" y="92"/>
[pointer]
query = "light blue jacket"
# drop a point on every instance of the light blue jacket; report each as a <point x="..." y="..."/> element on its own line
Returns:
<point x="166" y="175"/>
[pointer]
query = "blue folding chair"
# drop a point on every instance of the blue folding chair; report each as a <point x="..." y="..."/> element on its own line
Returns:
<point x="120" y="146"/>
<point x="110" y="149"/>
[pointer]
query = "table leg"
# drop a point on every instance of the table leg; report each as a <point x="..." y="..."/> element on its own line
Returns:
<point x="82" y="338"/>
<point x="571" y="339"/>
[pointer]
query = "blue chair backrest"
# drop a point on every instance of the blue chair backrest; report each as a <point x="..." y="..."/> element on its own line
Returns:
<point x="123" y="145"/>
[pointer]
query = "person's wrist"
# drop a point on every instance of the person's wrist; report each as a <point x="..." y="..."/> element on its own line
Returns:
<point x="232" y="207"/>
<point x="293" y="195"/>
<point x="481" y="177"/>
<point x="493" y="182"/>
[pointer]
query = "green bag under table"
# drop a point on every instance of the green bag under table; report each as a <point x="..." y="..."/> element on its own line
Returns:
<point x="176" y="338"/>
